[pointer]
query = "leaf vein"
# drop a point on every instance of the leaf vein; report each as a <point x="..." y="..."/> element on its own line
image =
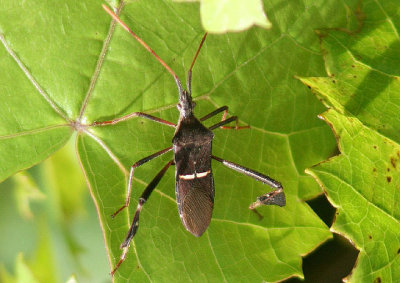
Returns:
<point x="32" y="79"/>
<point x="31" y="132"/>
<point x="216" y="259"/>
<point x="99" y="64"/>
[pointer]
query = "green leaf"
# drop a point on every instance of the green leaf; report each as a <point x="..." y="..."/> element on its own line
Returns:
<point x="94" y="71"/>
<point x="362" y="182"/>
<point x="5" y="276"/>
<point x="22" y="271"/>
<point x="36" y="89"/>
<point x="44" y="261"/>
<point x="26" y="190"/>
<point x="235" y="15"/>
<point x="66" y="184"/>
<point x="72" y="279"/>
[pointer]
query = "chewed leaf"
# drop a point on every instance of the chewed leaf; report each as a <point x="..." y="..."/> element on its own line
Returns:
<point x="363" y="90"/>
<point x="363" y="183"/>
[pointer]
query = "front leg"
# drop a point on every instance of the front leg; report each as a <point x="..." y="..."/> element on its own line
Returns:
<point x="132" y="115"/>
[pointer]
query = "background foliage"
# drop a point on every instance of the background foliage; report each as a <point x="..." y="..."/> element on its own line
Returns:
<point x="65" y="65"/>
<point x="362" y="91"/>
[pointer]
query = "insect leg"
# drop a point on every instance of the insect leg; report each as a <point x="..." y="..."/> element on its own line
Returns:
<point x="227" y="121"/>
<point x="215" y="112"/>
<point x="135" y="223"/>
<point x="276" y="197"/>
<point x="220" y="124"/>
<point x="132" y="115"/>
<point x="137" y="164"/>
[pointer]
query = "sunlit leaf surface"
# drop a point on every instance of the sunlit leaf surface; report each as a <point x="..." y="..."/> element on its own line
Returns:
<point x="363" y="181"/>
<point x="64" y="65"/>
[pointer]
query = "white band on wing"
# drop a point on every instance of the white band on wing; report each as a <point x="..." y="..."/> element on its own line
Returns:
<point x="194" y="176"/>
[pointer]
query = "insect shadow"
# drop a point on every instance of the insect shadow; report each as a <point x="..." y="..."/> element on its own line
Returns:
<point x="191" y="145"/>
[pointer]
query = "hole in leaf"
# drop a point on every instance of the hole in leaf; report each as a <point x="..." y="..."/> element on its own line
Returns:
<point x="334" y="259"/>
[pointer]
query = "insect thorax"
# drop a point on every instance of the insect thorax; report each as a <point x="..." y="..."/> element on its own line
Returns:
<point x="192" y="145"/>
<point x="191" y="131"/>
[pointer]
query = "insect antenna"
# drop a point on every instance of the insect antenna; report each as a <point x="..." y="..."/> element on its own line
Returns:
<point x="117" y="19"/>
<point x="189" y="79"/>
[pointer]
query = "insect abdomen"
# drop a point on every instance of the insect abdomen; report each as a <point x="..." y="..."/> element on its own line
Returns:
<point x="194" y="186"/>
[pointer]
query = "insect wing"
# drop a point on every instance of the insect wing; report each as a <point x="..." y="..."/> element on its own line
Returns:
<point x="193" y="177"/>
<point x="195" y="199"/>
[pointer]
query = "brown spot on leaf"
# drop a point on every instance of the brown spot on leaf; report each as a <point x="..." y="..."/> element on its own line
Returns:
<point x="388" y="169"/>
<point x="355" y="76"/>
<point x="393" y="161"/>
<point x="389" y="179"/>
<point x="333" y="81"/>
<point x="375" y="146"/>
<point x="374" y="169"/>
<point x="353" y="66"/>
<point x="370" y="237"/>
<point x="377" y="280"/>
<point x="398" y="251"/>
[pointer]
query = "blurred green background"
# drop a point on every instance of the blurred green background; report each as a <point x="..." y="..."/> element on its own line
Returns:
<point x="48" y="217"/>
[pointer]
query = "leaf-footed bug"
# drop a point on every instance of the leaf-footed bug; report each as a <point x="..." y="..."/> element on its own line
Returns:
<point x="191" y="145"/>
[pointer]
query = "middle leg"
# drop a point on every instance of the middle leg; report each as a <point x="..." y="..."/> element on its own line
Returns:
<point x="137" y="164"/>
<point x="224" y="121"/>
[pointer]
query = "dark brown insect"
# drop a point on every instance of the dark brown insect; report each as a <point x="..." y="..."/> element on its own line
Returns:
<point x="192" y="147"/>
